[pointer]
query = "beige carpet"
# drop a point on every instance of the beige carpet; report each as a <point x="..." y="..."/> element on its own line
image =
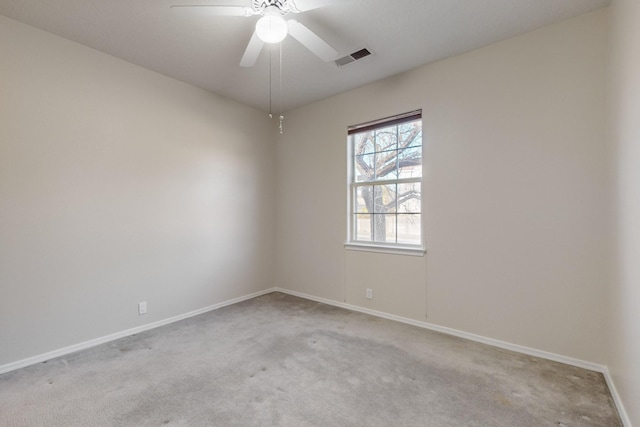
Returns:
<point x="278" y="360"/>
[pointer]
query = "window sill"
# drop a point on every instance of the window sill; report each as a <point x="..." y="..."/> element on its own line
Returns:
<point x="395" y="250"/>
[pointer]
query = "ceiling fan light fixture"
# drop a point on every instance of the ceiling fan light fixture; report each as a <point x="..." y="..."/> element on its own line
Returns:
<point x="272" y="28"/>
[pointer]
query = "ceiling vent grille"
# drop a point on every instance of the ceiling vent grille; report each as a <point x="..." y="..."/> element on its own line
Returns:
<point x="362" y="53"/>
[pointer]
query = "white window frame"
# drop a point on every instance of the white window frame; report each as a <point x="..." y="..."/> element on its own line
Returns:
<point x="370" y="246"/>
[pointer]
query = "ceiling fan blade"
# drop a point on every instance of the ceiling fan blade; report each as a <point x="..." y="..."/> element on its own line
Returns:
<point x="252" y="51"/>
<point x="311" y="41"/>
<point x="213" y="10"/>
<point x="304" y="5"/>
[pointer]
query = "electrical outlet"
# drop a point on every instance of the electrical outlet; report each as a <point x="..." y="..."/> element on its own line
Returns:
<point x="142" y="307"/>
<point x="369" y="293"/>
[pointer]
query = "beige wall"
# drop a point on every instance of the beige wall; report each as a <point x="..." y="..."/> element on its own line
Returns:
<point x="119" y="185"/>
<point x="625" y="141"/>
<point x="515" y="193"/>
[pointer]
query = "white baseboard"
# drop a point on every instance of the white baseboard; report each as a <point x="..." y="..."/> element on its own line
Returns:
<point x="626" y="421"/>
<point x="484" y="340"/>
<point x="97" y="341"/>
<point x="426" y="325"/>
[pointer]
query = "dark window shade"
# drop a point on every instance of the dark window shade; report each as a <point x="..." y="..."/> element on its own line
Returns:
<point x="388" y="121"/>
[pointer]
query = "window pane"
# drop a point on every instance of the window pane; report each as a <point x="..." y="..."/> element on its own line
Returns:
<point x="386" y="164"/>
<point x="363" y="143"/>
<point x="387" y="138"/>
<point x="410" y="133"/>
<point x="363" y="199"/>
<point x="409" y="198"/>
<point x="384" y="228"/>
<point x="409" y="226"/>
<point x="364" y="166"/>
<point x="362" y="226"/>
<point x="410" y="162"/>
<point x="389" y="212"/>
<point x="385" y="198"/>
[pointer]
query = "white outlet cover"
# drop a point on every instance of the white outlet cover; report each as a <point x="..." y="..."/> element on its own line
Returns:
<point x="142" y="307"/>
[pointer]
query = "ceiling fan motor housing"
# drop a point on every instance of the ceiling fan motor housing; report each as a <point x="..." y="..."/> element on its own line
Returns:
<point x="284" y="6"/>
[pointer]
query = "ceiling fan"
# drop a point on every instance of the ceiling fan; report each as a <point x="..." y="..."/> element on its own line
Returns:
<point x="272" y="27"/>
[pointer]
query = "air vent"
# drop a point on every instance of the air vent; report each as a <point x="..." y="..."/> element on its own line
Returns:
<point x="362" y="53"/>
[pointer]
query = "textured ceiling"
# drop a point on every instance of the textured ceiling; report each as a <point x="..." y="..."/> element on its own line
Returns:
<point x="205" y="50"/>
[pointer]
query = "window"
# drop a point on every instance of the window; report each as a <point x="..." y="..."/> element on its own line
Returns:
<point x="385" y="184"/>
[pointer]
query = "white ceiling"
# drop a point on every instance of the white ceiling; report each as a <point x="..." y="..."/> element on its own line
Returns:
<point x="205" y="50"/>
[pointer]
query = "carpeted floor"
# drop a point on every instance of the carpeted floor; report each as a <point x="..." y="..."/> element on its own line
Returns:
<point x="278" y="360"/>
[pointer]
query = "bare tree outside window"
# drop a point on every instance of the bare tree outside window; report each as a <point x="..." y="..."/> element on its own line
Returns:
<point x="386" y="182"/>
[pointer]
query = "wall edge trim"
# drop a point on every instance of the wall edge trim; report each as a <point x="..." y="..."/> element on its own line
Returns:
<point x="455" y="332"/>
<point x="603" y="369"/>
<point x="12" y="366"/>
<point x="624" y="416"/>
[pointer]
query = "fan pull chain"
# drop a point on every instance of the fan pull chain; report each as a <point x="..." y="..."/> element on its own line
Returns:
<point x="281" y="116"/>
<point x="270" y="80"/>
